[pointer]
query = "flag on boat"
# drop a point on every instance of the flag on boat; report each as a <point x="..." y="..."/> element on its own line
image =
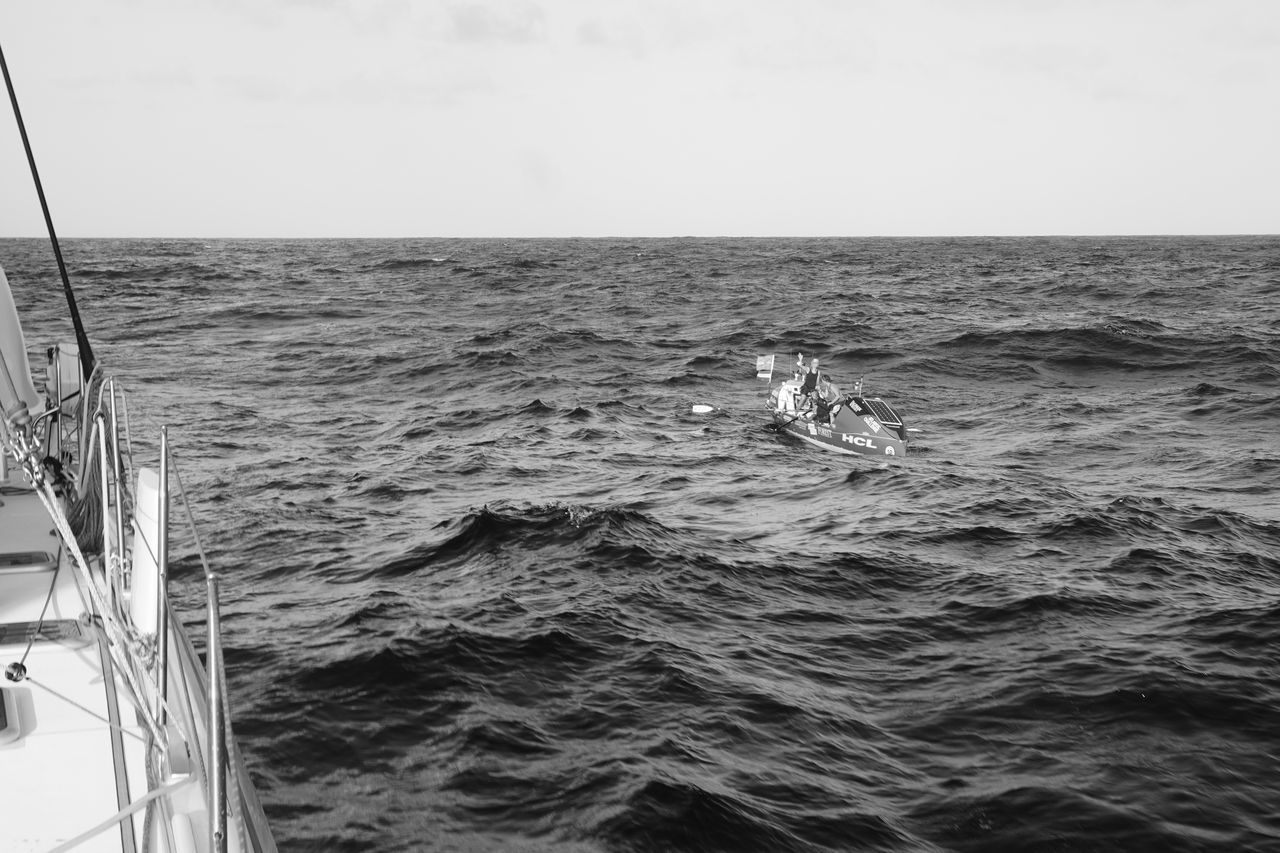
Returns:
<point x="764" y="367"/>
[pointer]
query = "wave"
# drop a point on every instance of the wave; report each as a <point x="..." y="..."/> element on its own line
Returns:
<point x="175" y="274"/>
<point x="487" y="577"/>
<point x="530" y="527"/>
<point x="408" y="264"/>
<point x="1037" y="816"/>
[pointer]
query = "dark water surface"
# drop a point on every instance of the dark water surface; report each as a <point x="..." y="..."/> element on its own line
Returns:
<point x="490" y="585"/>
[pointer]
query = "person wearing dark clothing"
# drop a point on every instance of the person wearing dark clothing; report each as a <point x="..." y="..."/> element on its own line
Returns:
<point x="810" y="378"/>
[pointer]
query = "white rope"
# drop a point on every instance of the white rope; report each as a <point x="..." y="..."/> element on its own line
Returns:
<point x="121" y="815"/>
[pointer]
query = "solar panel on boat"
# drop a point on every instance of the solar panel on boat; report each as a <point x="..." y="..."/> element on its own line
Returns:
<point x="884" y="412"/>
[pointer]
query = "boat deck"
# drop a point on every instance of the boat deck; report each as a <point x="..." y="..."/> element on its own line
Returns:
<point x="67" y="750"/>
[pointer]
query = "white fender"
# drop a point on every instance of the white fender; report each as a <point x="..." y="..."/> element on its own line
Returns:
<point x="184" y="837"/>
<point x="146" y="544"/>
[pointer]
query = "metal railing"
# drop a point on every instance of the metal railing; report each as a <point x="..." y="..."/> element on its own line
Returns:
<point x="143" y="654"/>
<point x="90" y="494"/>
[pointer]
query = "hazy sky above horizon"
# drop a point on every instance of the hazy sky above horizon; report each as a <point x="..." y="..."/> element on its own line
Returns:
<point x="320" y="118"/>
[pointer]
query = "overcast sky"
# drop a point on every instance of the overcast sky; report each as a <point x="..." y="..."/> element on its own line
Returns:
<point x="412" y="118"/>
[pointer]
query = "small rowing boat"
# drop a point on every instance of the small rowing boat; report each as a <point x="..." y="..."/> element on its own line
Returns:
<point x="810" y="407"/>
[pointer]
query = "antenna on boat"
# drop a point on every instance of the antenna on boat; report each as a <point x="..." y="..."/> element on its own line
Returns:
<point x="82" y="340"/>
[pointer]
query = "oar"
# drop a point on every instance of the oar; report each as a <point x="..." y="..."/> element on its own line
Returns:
<point x="777" y="427"/>
<point x="704" y="409"/>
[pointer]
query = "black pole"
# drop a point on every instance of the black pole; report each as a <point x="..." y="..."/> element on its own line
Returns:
<point x="82" y="340"/>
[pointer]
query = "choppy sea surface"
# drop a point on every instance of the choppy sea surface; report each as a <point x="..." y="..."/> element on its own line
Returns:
<point x="490" y="585"/>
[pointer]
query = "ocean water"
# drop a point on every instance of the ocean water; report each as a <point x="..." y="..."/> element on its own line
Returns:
<point x="490" y="585"/>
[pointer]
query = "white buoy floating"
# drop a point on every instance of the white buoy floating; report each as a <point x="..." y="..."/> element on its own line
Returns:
<point x="702" y="409"/>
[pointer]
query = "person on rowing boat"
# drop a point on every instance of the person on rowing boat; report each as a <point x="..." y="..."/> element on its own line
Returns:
<point x="804" y="397"/>
<point x="810" y="379"/>
<point x="827" y="400"/>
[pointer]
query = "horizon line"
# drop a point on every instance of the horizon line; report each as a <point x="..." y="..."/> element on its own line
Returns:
<point x="973" y="236"/>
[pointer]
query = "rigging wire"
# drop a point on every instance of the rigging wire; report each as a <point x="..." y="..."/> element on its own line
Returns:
<point x="87" y="360"/>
